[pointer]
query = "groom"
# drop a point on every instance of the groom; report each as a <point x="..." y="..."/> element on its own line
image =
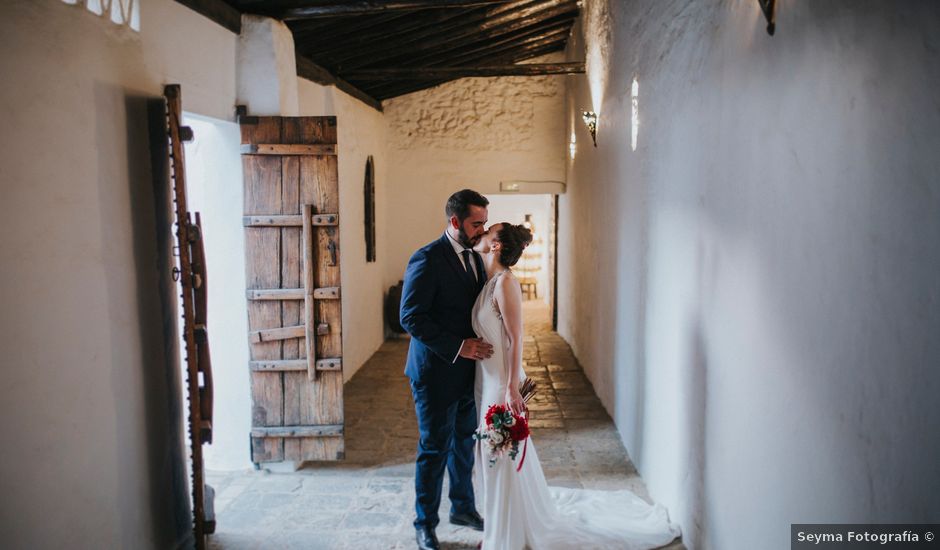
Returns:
<point x="441" y="284"/>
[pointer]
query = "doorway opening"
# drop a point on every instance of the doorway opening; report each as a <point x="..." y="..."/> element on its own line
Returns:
<point x="214" y="189"/>
<point x="536" y="268"/>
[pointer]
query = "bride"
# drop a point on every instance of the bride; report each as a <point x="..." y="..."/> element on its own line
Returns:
<point x="521" y="510"/>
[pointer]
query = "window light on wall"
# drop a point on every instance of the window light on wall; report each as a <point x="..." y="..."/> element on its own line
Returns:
<point x="121" y="12"/>
<point x="635" y="107"/>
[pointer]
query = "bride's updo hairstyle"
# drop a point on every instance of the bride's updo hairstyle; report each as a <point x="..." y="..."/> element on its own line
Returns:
<point x="514" y="239"/>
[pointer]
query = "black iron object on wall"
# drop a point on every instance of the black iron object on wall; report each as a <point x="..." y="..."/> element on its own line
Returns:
<point x="769" y="7"/>
<point x="369" y="191"/>
<point x="393" y="307"/>
<point x="590" y="120"/>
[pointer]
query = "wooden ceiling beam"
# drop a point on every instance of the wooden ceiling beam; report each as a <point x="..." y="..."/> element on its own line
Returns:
<point x="364" y="7"/>
<point x="315" y="73"/>
<point x="432" y="73"/>
<point x="491" y="27"/>
<point x="359" y="42"/>
<point x="429" y="32"/>
<point x="553" y="28"/>
<point x="444" y="56"/>
<point x="319" y="32"/>
<point x="218" y="11"/>
<point x="488" y="55"/>
<point x="388" y="89"/>
<point x="504" y="55"/>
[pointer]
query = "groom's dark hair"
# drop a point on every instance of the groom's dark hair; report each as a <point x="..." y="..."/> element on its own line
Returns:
<point x="459" y="203"/>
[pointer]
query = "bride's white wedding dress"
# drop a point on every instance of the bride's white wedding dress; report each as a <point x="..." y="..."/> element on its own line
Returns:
<point x="519" y="509"/>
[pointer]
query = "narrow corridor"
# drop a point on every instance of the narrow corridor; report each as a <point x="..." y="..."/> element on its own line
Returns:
<point x="367" y="501"/>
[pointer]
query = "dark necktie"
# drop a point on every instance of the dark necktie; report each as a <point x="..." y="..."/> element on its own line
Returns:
<point x="466" y="263"/>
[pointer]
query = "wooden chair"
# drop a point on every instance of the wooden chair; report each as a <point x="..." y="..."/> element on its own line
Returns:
<point x="529" y="287"/>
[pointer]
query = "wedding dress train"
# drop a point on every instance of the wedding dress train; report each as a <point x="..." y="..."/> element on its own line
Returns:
<point x="519" y="509"/>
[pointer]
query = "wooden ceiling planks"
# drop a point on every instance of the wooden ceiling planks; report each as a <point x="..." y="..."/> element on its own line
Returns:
<point x="481" y="50"/>
<point x="337" y="52"/>
<point x="332" y="9"/>
<point x="430" y="34"/>
<point x="389" y="89"/>
<point x="438" y="73"/>
<point x="340" y="40"/>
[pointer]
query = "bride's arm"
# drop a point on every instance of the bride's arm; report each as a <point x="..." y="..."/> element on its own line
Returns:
<point x="508" y="296"/>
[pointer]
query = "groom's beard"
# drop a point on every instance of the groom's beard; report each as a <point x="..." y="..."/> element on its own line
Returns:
<point x="464" y="238"/>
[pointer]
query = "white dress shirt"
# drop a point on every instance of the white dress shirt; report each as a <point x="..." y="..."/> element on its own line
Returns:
<point x="458" y="249"/>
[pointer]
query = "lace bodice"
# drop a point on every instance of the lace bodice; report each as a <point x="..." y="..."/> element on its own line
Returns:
<point x="489" y="292"/>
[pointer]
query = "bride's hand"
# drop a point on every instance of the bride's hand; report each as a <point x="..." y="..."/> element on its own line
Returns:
<point x="514" y="400"/>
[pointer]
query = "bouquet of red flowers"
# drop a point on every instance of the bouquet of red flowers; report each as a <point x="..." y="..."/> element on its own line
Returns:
<point x="503" y="432"/>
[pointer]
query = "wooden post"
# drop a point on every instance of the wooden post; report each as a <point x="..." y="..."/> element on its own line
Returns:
<point x="309" y="288"/>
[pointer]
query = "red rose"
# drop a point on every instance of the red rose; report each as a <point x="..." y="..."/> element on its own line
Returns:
<point x="494" y="409"/>
<point x="519" y="430"/>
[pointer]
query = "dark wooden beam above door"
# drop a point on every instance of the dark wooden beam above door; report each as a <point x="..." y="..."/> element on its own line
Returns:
<point x="315" y="73"/>
<point x="218" y="11"/>
<point x="432" y="73"/>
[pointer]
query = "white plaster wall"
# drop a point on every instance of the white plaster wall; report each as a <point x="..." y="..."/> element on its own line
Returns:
<point x="85" y="396"/>
<point x="472" y="132"/>
<point x="512" y="209"/>
<point x="215" y="190"/>
<point x="753" y="291"/>
<point x="361" y="131"/>
<point x="267" y="68"/>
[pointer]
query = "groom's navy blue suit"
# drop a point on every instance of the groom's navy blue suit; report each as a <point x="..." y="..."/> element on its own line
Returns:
<point x="436" y="305"/>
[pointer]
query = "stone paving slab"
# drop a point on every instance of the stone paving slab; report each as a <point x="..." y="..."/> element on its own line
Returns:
<point x="367" y="501"/>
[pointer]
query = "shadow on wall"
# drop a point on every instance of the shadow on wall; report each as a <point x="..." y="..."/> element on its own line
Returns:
<point x="159" y="450"/>
<point x="697" y="392"/>
<point x="169" y="309"/>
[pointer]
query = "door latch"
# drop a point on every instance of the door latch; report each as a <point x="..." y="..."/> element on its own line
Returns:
<point x="331" y="246"/>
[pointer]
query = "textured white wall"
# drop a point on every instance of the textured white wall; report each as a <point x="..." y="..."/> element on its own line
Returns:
<point x="85" y="396"/>
<point x="267" y="68"/>
<point x="753" y="291"/>
<point x="473" y="132"/>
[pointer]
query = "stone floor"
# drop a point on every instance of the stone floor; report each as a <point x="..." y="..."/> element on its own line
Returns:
<point x="367" y="501"/>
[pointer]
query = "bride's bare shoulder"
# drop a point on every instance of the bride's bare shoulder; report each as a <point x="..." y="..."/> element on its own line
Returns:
<point x="508" y="282"/>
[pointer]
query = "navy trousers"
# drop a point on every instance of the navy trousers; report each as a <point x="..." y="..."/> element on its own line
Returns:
<point x="446" y="440"/>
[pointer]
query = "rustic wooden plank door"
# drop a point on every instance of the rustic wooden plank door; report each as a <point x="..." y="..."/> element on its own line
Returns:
<point x="293" y="278"/>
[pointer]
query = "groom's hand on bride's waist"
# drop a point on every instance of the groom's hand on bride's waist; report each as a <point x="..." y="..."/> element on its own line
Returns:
<point x="475" y="349"/>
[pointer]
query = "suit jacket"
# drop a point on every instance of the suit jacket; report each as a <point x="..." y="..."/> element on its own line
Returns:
<point x="436" y="305"/>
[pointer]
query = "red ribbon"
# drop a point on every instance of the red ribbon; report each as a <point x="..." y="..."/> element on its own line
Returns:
<point x="525" y="446"/>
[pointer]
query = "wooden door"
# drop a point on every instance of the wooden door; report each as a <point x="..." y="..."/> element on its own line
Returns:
<point x="293" y="279"/>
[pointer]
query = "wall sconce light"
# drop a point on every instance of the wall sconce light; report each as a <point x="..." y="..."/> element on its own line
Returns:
<point x="590" y="120"/>
<point x="769" y="7"/>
